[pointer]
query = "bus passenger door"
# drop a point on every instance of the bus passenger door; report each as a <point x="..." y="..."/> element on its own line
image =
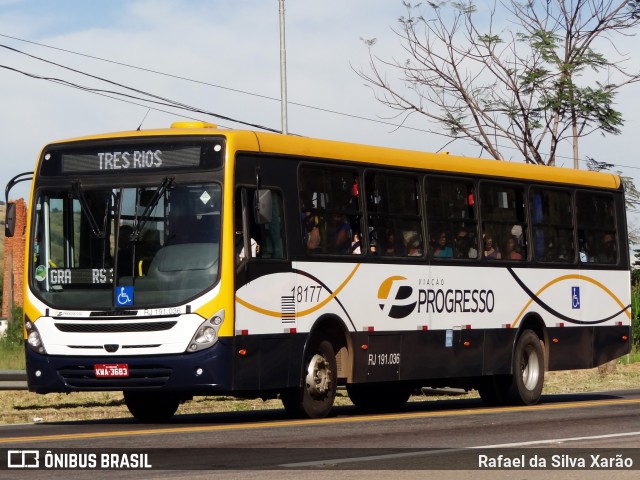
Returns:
<point x="265" y="313"/>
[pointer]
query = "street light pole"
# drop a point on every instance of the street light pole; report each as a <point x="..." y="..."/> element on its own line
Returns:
<point x="283" y="71"/>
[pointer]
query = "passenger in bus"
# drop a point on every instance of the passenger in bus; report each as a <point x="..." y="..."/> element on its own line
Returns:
<point x="608" y="252"/>
<point x="442" y="248"/>
<point x="490" y="251"/>
<point x="342" y="232"/>
<point x="392" y="245"/>
<point x="512" y="251"/>
<point x="373" y="241"/>
<point x="463" y="244"/>
<point x="312" y="238"/>
<point x="414" y="247"/>
<point x="585" y="252"/>
<point x="356" y="246"/>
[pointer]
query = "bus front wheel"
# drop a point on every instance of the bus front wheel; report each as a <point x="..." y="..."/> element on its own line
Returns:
<point x="151" y="407"/>
<point x="315" y="398"/>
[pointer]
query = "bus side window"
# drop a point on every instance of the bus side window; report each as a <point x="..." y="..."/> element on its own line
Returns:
<point x="394" y="221"/>
<point x="330" y="210"/>
<point x="552" y="218"/>
<point x="597" y="232"/>
<point x="504" y="229"/>
<point x="452" y="222"/>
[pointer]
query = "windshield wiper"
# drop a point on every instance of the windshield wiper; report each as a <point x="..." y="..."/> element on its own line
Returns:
<point x="144" y="218"/>
<point x="86" y="210"/>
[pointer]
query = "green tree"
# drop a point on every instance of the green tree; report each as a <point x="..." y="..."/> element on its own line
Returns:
<point x="535" y="77"/>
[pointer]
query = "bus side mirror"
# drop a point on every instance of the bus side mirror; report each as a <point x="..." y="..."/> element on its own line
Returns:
<point x="10" y="220"/>
<point x="262" y="207"/>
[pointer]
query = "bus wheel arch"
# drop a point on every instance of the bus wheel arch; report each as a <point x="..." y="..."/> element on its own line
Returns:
<point x="320" y="373"/>
<point x="333" y="329"/>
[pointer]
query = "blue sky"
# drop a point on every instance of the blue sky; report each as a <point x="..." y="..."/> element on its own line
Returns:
<point x="229" y="43"/>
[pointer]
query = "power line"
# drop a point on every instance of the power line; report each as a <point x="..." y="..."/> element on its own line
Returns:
<point x="243" y="92"/>
<point x="235" y="90"/>
<point x="157" y="99"/>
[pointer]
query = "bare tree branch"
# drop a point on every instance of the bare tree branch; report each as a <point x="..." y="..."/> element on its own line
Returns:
<point x="526" y="74"/>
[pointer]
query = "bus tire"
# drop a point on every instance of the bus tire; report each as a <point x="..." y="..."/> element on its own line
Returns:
<point x="378" y="397"/>
<point x="315" y="398"/>
<point x="528" y="370"/>
<point x="151" y="407"/>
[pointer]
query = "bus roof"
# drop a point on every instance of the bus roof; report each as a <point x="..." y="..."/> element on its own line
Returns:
<point x="251" y="141"/>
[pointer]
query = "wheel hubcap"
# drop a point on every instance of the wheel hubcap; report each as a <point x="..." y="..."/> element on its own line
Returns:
<point x="318" y="376"/>
<point x="530" y="368"/>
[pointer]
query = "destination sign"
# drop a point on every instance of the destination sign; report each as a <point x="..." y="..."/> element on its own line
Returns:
<point x="131" y="159"/>
<point x="108" y="157"/>
<point x="80" y="276"/>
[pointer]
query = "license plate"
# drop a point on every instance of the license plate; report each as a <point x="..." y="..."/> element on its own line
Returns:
<point x="111" y="370"/>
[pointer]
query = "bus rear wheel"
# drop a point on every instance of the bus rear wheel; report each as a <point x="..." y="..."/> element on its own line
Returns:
<point x="315" y="398"/>
<point x="528" y="370"/>
<point x="151" y="407"/>
<point x="524" y="386"/>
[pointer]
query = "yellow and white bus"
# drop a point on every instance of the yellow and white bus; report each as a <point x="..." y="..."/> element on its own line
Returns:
<point x="200" y="261"/>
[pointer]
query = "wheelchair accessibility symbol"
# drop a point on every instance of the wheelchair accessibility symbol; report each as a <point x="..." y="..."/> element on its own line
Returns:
<point x="124" y="296"/>
<point x="575" y="298"/>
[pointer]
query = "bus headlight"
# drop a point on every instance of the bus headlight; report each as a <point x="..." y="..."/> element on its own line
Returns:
<point x="207" y="333"/>
<point x="34" y="340"/>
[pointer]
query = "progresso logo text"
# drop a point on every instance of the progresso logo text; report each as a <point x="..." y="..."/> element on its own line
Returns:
<point x="398" y="298"/>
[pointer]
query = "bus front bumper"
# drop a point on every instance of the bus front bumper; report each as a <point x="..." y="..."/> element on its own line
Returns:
<point x="205" y="372"/>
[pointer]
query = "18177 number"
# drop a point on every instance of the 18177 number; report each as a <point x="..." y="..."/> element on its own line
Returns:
<point x="308" y="294"/>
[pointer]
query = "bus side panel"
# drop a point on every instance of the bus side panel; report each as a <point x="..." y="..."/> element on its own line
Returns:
<point x="570" y="348"/>
<point x="610" y="343"/>
<point x="587" y="347"/>
<point x="267" y="362"/>
<point x="418" y="355"/>
<point x="498" y="351"/>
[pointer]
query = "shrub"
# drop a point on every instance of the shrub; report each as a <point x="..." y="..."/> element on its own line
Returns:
<point x="635" y="322"/>
<point x="14" y="335"/>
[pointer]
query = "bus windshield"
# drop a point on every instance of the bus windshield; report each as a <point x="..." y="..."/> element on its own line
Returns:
<point x="109" y="247"/>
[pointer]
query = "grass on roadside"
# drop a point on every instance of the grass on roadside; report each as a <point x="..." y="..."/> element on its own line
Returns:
<point x="11" y="356"/>
<point x="12" y="344"/>
<point x="633" y="357"/>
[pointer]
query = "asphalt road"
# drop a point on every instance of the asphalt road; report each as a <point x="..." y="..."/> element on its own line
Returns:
<point x="444" y="436"/>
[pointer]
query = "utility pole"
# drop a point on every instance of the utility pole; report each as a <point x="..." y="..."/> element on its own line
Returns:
<point x="283" y="72"/>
